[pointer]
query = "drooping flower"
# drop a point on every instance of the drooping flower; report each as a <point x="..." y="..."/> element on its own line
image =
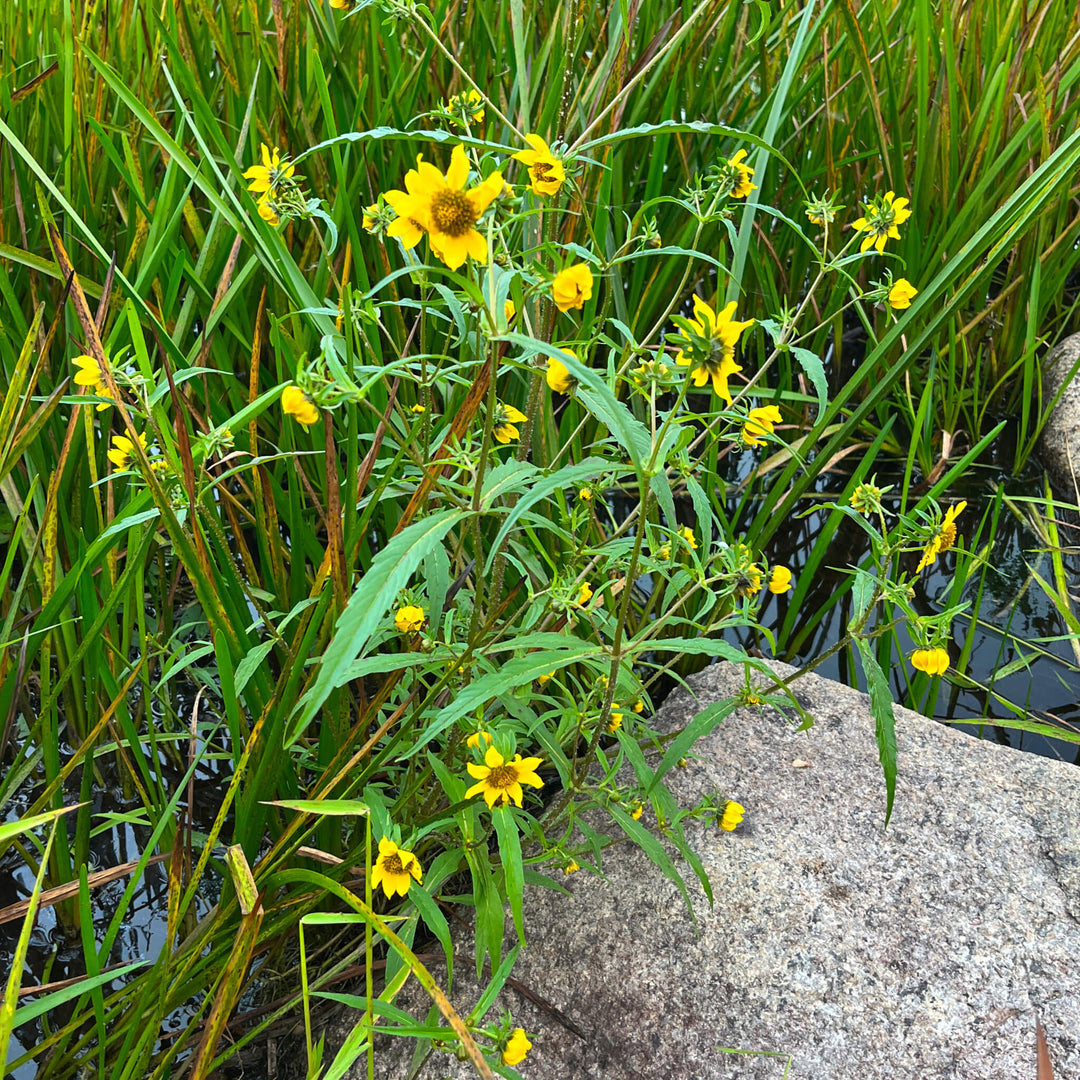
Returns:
<point x="616" y="719"/>
<point x="901" y="294"/>
<point x="760" y="422"/>
<point x="639" y="706"/>
<point x="123" y="449"/>
<point x="546" y="173"/>
<point x="733" y="814"/>
<point x="571" y="868"/>
<point x="90" y="374"/>
<point x="509" y="310"/>
<point x="295" y="403"/>
<point x="473" y="741"/>
<point x="748" y="581"/>
<point x="394" y="869"/>
<point x="779" y="580"/>
<point x="506" y="420"/>
<point x="639" y="809"/>
<point x="741" y="186"/>
<point x="944" y="538"/>
<point x="442" y="207"/>
<point x="932" y="661"/>
<point x="517" y="1046"/>
<point x="558" y="375"/>
<point x="688" y="535"/>
<point x="880" y="221"/>
<point x="866" y="498"/>
<point x="584" y="594"/>
<point x="500" y="780"/>
<point x="418" y="409"/>
<point x="409" y="618"/>
<point x="722" y="333"/>
<point x="572" y="287"/>
<point x="585" y="494"/>
<point x="370" y="220"/>
<point x="266" y="177"/>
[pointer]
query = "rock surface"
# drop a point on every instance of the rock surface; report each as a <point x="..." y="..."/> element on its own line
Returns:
<point x="1059" y="443"/>
<point x="927" y="950"/>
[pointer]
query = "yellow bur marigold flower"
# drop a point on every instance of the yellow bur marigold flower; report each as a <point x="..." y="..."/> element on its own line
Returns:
<point x="639" y="809"/>
<point x="901" y="294"/>
<point x="688" y="535"/>
<point x="506" y="420"/>
<point x="500" y="780"/>
<point x="409" y="618"/>
<point x="558" y="375"/>
<point x="571" y="868"/>
<point x="779" y="580"/>
<point x="123" y="450"/>
<point x="742" y="186"/>
<point x="572" y="287"/>
<point x="90" y="374"/>
<point x="733" y="814"/>
<point x="442" y="207"/>
<point x="932" y="661"/>
<point x="760" y="422"/>
<point x="881" y="220"/>
<point x="394" y="869"/>
<point x="584" y="594"/>
<point x="616" y="720"/>
<point x="473" y="741"/>
<point x="722" y="333"/>
<point x="517" y="1046"/>
<point x="546" y="173"/>
<point x="466" y="106"/>
<point x="265" y="178"/>
<point x="295" y="403"/>
<point x="944" y="538"/>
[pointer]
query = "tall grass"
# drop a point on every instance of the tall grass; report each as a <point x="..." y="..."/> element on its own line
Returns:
<point x="126" y="230"/>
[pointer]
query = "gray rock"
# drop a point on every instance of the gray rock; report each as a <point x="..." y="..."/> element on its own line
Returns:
<point x="1059" y="442"/>
<point x="927" y="950"/>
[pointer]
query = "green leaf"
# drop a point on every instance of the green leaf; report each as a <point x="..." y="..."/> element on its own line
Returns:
<point x="389" y="574"/>
<point x="881" y="707"/>
<point x="506" y="828"/>
<point x="813" y="367"/>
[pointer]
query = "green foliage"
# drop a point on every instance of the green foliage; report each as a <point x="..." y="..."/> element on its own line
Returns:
<point x="324" y="416"/>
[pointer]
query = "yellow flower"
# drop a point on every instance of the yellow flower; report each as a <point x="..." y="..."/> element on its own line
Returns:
<point x="733" y="814"/>
<point x="419" y="410"/>
<point x="517" y="1046"/>
<point x="742" y="186"/>
<point x="663" y="553"/>
<point x="932" y="661"/>
<point x="616" y="720"/>
<point x="501" y="780"/>
<point x="546" y="173"/>
<point x="371" y="213"/>
<point x="901" y="294"/>
<point x="267" y="211"/>
<point x="546" y="678"/>
<point x="509" y="310"/>
<point x="442" y="207"/>
<point x="558" y="375"/>
<point x="585" y="494"/>
<point x="723" y="334"/>
<point x="409" y="618"/>
<point x="473" y="741"/>
<point x="394" y="869"/>
<point x="266" y="177"/>
<point x="688" y="535"/>
<point x="881" y="220"/>
<point x="571" y="868"/>
<point x="779" y="580"/>
<point x="91" y="374"/>
<point x="341" y="5"/>
<point x="639" y="809"/>
<point x="572" y="287"/>
<point x="506" y="417"/>
<point x="944" y="538"/>
<point x="295" y="403"/>
<point x="122" y="450"/>
<point x="584" y="594"/>
<point x="760" y="422"/>
<point x="748" y="581"/>
<point x="468" y="105"/>
<point x="639" y="706"/>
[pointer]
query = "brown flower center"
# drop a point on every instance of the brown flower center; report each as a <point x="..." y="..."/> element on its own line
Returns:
<point x="452" y="212"/>
<point x="502" y="777"/>
<point x="392" y="865"/>
<point x="540" y="169"/>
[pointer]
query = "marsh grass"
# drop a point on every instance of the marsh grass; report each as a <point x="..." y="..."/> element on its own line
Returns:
<point x="126" y="229"/>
